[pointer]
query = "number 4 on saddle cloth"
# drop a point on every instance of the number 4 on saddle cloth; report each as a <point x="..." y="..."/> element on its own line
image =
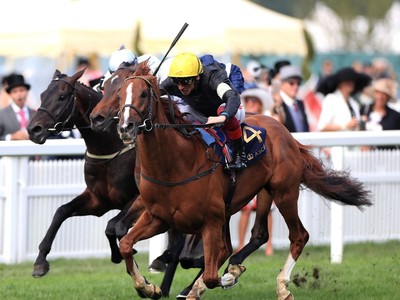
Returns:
<point x="253" y="137"/>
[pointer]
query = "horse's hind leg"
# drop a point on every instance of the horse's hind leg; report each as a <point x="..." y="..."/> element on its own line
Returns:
<point x="298" y="236"/>
<point x="259" y="236"/>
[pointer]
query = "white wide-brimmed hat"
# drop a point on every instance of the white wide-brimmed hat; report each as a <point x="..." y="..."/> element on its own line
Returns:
<point x="262" y="94"/>
<point x="387" y="86"/>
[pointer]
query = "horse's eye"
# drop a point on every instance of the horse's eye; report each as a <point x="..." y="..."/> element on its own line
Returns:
<point x="143" y="94"/>
<point x="63" y="97"/>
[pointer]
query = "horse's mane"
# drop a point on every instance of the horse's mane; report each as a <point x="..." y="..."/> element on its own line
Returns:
<point x="177" y="114"/>
<point x="142" y="69"/>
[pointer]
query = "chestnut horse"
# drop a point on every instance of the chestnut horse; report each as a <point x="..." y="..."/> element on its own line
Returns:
<point x="183" y="185"/>
<point x="110" y="183"/>
<point x="103" y="116"/>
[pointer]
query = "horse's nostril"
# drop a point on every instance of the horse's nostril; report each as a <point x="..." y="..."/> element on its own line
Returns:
<point x="97" y="119"/>
<point x="36" y="130"/>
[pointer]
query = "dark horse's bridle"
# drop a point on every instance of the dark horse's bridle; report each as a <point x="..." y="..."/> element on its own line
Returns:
<point x="147" y="124"/>
<point x="60" y="126"/>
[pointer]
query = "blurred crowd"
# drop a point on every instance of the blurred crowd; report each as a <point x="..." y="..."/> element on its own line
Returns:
<point x="357" y="97"/>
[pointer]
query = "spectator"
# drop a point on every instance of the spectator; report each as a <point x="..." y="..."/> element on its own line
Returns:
<point x="340" y="111"/>
<point x="290" y="110"/>
<point x="378" y="115"/>
<point x="122" y="55"/>
<point x="276" y="87"/>
<point x="92" y="74"/>
<point x="4" y="96"/>
<point x="15" y="117"/>
<point x="255" y="101"/>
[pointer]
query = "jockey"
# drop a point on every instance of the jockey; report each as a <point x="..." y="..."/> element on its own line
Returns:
<point x="209" y="91"/>
<point x="117" y="58"/>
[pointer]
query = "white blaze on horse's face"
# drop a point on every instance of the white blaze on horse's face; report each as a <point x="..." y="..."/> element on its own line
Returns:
<point x="114" y="78"/>
<point x="128" y="101"/>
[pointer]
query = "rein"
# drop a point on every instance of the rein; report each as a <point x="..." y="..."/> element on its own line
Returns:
<point x="147" y="123"/>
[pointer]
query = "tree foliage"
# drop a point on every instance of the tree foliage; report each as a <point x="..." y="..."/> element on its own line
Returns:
<point x="371" y="13"/>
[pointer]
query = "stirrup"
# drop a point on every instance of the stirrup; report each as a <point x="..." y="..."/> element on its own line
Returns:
<point x="237" y="165"/>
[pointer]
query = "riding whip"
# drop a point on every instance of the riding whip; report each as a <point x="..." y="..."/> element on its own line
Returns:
<point x="172" y="45"/>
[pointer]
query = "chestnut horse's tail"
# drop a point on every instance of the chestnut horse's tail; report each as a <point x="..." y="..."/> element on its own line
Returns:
<point x="331" y="184"/>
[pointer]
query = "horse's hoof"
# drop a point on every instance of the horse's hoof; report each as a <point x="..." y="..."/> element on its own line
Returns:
<point x="157" y="266"/>
<point x="149" y="290"/>
<point x="227" y="287"/>
<point x="182" y="295"/>
<point x="116" y="259"/>
<point x="39" y="270"/>
<point x="290" y="297"/>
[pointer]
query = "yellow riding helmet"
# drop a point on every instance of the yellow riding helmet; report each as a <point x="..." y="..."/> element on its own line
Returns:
<point x="185" y="65"/>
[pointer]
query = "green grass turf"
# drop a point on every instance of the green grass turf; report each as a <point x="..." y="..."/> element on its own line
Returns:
<point x="369" y="271"/>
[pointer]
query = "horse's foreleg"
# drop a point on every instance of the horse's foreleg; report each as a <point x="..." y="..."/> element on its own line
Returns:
<point x="73" y="208"/>
<point x="146" y="227"/>
<point x="112" y="236"/>
<point x="176" y="242"/>
<point x="216" y="251"/>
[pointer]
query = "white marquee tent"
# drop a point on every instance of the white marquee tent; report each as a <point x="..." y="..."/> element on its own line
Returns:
<point x="60" y="27"/>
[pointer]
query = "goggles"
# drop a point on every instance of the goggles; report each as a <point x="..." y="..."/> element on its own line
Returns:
<point x="183" y="80"/>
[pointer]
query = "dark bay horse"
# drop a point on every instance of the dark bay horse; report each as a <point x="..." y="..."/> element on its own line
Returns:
<point x="183" y="185"/>
<point x="110" y="183"/>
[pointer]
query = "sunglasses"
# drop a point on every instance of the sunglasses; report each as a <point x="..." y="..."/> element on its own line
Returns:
<point x="293" y="82"/>
<point x="183" y="81"/>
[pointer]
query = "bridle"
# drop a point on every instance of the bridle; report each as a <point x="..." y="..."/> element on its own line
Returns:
<point x="60" y="126"/>
<point x="147" y="118"/>
<point x="147" y="123"/>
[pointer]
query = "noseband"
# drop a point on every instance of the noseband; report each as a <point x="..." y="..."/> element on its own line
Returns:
<point x="60" y="126"/>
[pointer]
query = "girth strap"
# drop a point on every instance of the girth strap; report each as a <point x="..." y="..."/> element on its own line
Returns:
<point x="231" y="190"/>
<point x="190" y="179"/>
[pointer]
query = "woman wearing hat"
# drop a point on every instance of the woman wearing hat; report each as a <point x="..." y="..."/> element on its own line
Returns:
<point x="257" y="101"/>
<point x="340" y="111"/>
<point x="378" y="115"/>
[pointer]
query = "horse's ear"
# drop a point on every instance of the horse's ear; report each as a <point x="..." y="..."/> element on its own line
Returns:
<point x="56" y="74"/>
<point x="78" y="74"/>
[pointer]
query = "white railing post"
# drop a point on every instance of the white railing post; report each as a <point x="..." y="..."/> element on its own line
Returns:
<point x="23" y="205"/>
<point x="337" y="213"/>
<point x="157" y="245"/>
<point x="11" y="210"/>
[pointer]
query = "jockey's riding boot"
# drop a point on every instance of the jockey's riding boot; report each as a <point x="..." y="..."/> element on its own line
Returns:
<point x="239" y="155"/>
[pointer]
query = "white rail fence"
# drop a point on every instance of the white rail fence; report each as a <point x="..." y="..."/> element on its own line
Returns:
<point x="31" y="191"/>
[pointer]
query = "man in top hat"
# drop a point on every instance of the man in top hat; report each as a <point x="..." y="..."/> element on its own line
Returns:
<point x="291" y="111"/>
<point x="15" y="117"/>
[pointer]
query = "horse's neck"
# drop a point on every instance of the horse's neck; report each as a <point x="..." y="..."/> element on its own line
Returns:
<point x="163" y="151"/>
<point x="96" y="143"/>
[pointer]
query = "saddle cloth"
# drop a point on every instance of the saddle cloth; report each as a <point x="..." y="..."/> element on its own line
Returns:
<point x="253" y="137"/>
